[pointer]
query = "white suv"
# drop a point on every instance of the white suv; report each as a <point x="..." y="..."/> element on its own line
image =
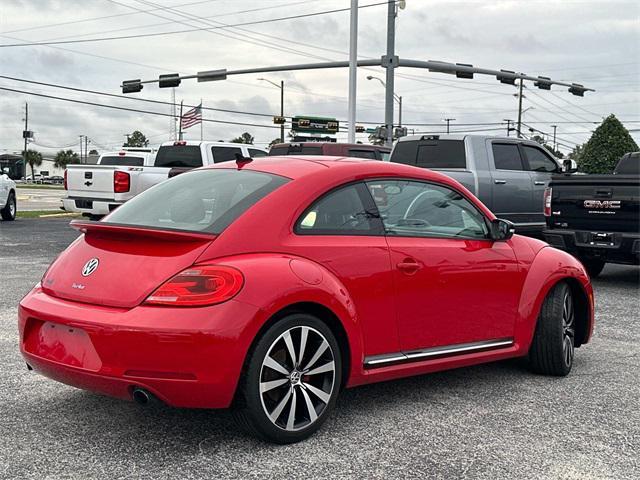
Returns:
<point x="7" y="197"/>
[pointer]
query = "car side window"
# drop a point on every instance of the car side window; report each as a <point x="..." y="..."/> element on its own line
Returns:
<point x="419" y="209"/>
<point x="506" y="156"/>
<point x="538" y="160"/>
<point x="344" y="211"/>
<point x="256" y="153"/>
<point x="225" y="154"/>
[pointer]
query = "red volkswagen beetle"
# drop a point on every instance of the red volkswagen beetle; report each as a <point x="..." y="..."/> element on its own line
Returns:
<point x="269" y="285"/>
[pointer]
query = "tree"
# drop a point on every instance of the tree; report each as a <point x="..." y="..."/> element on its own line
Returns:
<point x="246" y="137"/>
<point x="136" y="139"/>
<point x="576" y="153"/>
<point x="605" y="147"/>
<point x="34" y="159"/>
<point x="64" y="158"/>
<point x="93" y="152"/>
<point x="274" y="141"/>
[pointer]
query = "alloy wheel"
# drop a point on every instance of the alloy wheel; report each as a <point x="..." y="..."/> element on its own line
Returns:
<point x="568" y="328"/>
<point x="297" y="378"/>
<point x="12" y="206"/>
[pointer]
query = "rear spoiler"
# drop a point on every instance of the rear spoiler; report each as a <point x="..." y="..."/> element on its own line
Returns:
<point x="128" y="231"/>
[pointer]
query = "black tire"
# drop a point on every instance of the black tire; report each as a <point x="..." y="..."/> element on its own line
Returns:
<point x="298" y="392"/>
<point x="593" y="266"/>
<point x="552" y="349"/>
<point x="10" y="209"/>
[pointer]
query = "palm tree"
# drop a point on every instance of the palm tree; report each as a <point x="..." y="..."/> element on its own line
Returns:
<point x="64" y="158"/>
<point x="34" y="159"/>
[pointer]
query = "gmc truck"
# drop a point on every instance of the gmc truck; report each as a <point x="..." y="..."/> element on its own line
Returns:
<point x="509" y="175"/>
<point x="597" y="217"/>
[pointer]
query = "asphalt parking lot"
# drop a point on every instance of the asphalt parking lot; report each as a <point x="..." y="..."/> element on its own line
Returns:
<point x="42" y="198"/>
<point x="491" y="421"/>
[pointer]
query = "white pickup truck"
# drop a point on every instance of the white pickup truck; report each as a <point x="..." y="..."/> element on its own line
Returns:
<point x="96" y="190"/>
<point x="7" y="197"/>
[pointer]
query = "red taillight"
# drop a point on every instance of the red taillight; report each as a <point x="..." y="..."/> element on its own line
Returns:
<point x="65" y="180"/>
<point x="198" y="286"/>
<point x="180" y="143"/>
<point x="121" y="182"/>
<point x="547" y="201"/>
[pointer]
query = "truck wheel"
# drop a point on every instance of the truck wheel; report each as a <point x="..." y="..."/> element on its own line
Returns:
<point x="291" y="380"/>
<point x="552" y="349"/>
<point x="593" y="266"/>
<point x="9" y="211"/>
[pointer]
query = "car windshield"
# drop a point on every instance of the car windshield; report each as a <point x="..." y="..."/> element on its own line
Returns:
<point x="202" y="200"/>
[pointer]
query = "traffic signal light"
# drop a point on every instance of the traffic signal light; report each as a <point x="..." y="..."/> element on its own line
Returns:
<point x="169" y="80"/>
<point x="577" y="89"/>
<point x="543" y="83"/>
<point x="278" y="120"/>
<point x="304" y="122"/>
<point x="131" y="86"/>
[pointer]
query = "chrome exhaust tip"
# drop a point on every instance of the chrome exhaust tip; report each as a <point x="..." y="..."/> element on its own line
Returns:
<point x="141" y="396"/>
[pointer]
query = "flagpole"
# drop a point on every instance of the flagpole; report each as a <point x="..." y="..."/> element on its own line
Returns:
<point x="201" y="122"/>
<point x="180" y="133"/>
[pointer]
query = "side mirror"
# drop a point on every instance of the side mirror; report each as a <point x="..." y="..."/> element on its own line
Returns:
<point x="502" y="229"/>
<point x="569" y="166"/>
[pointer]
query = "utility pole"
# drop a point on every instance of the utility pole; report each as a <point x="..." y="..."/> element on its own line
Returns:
<point x="400" y="111"/>
<point x="353" y="75"/>
<point x="26" y="129"/>
<point x="86" y="149"/>
<point x="508" y="120"/>
<point x="81" y="147"/>
<point x="519" y="130"/>
<point x="449" y="120"/>
<point x="390" y="62"/>
<point x="555" y="147"/>
<point x="180" y="120"/>
<point x="282" y="110"/>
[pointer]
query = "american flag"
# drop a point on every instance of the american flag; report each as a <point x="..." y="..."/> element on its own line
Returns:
<point x="192" y="117"/>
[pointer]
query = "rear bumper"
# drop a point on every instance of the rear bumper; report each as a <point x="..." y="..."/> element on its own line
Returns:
<point x="621" y="247"/>
<point x="90" y="206"/>
<point x="186" y="357"/>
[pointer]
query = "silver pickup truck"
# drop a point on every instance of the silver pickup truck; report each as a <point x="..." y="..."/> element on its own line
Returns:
<point x="509" y="175"/>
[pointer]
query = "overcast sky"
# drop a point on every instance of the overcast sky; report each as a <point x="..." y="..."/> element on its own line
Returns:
<point x="594" y="43"/>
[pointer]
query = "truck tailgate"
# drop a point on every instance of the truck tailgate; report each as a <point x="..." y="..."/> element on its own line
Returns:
<point x="90" y="181"/>
<point x="596" y="202"/>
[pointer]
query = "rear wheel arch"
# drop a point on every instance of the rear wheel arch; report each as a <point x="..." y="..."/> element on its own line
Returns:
<point x="582" y="309"/>
<point x="322" y="313"/>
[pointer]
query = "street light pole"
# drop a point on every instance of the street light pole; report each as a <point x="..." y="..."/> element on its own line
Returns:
<point x="390" y="62"/>
<point x="281" y="87"/>
<point x="555" y="147"/>
<point x="353" y="61"/>
<point x="397" y="98"/>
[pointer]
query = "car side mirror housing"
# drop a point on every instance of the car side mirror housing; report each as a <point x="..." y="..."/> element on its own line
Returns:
<point x="569" y="166"/>
<point x="502" y="230"/>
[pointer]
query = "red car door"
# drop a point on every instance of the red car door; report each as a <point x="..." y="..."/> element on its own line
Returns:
<point x="453" y="285"/>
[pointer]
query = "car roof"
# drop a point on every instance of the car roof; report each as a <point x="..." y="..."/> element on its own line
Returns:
<point x="366" y="146"/>
<point x="295" y="167"/>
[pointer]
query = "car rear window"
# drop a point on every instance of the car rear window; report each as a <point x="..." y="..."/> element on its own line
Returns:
<point x="441" y="154"/>
<point x="431" y="153"/>
<point x="253" y="153"/>
<point x="225" y="154"/>
<point x="199" y="200"/>
<point x="123" y="160"/>
<point x="188" y="156"/>
<point x="362" y="153"/>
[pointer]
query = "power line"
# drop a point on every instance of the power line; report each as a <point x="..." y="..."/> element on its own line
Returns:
<point x="156" y="34"/>
<point x="114" y="107"/>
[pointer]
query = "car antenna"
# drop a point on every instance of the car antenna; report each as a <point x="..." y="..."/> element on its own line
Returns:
<point x="240" y="160"/>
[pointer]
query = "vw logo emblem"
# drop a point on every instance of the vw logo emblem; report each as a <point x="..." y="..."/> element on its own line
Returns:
<point x="90" y="267"/>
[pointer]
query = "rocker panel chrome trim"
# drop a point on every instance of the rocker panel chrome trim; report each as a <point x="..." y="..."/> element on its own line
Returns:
<point x="455" y="349"/>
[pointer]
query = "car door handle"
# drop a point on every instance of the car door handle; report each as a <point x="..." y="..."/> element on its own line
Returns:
<point x="499" y="182"/>
<point x="539" y="183"/>
<point x="409" y="266"/>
